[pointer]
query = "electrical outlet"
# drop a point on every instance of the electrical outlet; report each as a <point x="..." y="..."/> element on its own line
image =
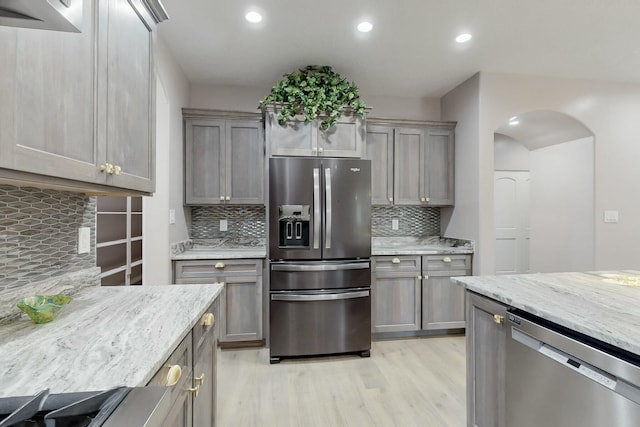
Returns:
<point x="223" y="225"/>
<point x="84" y="240"/>
<point x="395" y="224"/>
<point x="611" y="216"/>
<point x="172" y="216"/>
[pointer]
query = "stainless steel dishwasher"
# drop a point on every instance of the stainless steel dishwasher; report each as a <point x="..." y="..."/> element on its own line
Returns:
<point x="560" y="378"/>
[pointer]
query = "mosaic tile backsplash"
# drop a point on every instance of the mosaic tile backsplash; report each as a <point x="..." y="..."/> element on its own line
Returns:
<point x="39" y="234"/>
<point x="242" y="222"/>
<point x="249" y="222"/>
<point x="414" y="221"/>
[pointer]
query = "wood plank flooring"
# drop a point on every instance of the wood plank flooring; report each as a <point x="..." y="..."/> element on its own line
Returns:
<point x="408" y="382"/>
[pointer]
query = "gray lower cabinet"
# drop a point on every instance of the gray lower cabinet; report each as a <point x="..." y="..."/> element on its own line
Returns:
<point x="413" y="293"/>
<point x="193" y="396"/>
<point x="241" y="299"/>
<point x="396" y="294"/>
<point x="443" y="302"/>
<point x="295" y="138"/>
<point x="78" y="109"/>
<point x="415" y="160"/>
<point x="486" y="367"/>
<point x="224" y="158"/>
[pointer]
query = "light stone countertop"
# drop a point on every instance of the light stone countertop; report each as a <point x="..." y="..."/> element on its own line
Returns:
<point x="105" y="337"/>
<point x="603" y="305"/>
<point x="204" y="252"/>
<point x="420" y="246"/>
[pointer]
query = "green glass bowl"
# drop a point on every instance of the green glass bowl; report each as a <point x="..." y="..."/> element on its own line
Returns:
<point x="43" y="308"/>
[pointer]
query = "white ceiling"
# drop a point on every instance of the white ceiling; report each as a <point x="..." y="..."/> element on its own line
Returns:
<point x="538" y="129"/>
<point x="410" y="51"/>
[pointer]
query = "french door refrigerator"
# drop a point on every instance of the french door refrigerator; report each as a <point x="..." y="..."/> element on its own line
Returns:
<point x="319" y="250"/>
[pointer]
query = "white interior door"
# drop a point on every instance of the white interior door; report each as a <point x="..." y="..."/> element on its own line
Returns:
<point x="511" y="221"/>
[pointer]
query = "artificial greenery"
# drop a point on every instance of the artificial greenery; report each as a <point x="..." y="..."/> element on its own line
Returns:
<point x="314" y="92"/>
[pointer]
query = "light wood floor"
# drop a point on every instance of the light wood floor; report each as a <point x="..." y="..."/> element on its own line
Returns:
<point x="409" y="382"/>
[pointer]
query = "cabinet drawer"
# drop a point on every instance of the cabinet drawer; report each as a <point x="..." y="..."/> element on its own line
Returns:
<point x="181" y="356"/>
<point x="217" y="267"/>
<point x="396" y="263"/>
<point x="447" y="263"/>
<point x="203" y="332"/>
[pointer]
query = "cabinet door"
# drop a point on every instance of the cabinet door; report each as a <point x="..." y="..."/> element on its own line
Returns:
<point x="126" y="61"/>
<point x="442" y="301"/>
<point x="295" y="138"/>
<point x="244" y="176"/>
<point x="396" y="301"/>
<point x="47" y="106"/>
<point x="379" y="149"/>
<point x="344" y="139"/>
<point x="204" y="378"/>
<point x="181" y="413"/>
<point x="485" y="343"/>
<point x="241" y="309"/>
<point x="204" y="161"/>
<point x="408" y="167"/>
<point x="439" y="162"/>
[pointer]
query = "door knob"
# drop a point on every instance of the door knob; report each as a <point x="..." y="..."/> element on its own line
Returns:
<point x="426" y="199"/>
<point x="391" y="199"/>
<point x="422" y="199"/>
<point x="107" y="167"/>
<point x="117" y="170"/>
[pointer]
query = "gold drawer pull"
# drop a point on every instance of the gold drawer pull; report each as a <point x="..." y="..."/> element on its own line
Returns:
<point x="395" y="261"/>
<point x="174" y="374"/>
<point x="446" y="259"/>
<point x="498" y="319"/>
<point x="219" y="265"/>
<point x="200" y="379"/>
<point x="195" y="390"/>
<point x="391" y="199"/>
<point x="208" y="319"/>
<point x="419" y="277"/>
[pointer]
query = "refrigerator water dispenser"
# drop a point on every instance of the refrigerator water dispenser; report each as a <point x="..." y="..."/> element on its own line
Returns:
<point x="294" y="225"/>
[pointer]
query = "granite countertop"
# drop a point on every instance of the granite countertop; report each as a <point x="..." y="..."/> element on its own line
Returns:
<point x="603" y="305"/>
<point x="105" y="337"/>
<point x="420" y="246"/>
<point x="220" y="249"/>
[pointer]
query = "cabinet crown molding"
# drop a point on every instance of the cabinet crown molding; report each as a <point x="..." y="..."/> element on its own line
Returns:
<point x="204" y="113"/>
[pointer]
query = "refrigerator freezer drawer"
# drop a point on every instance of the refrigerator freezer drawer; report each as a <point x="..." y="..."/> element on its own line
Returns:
<point x="294" y="276"/>
<point x="304" y="324"/>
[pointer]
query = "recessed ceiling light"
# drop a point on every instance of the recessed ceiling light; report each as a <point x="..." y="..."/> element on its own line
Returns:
<point x="513" y="118"/>
<point x="514" y="122"/>
<point x="365" y="27"/>
<point x="463" y="38"/>
<point x="253" y="17"/>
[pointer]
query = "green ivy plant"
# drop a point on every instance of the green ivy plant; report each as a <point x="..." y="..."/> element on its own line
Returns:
<point x="314" y="92"/>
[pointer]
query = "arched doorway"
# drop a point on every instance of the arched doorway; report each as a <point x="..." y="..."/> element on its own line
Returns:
<point x="543" y="194"/>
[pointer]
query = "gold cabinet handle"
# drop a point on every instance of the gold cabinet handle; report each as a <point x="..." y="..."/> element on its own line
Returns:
<point x="227" y="198"/>
<point x="391" y="199"/>
<point x="107" y="168"/>
<point x="320" y="150"/>
<point x="395" y="261"/>
<point x="498" y="319"/>
<point x="174" y="374"/>
<point x="422" y="199"/>
<point x="419" y="277"/>
<point x="195" y="390"/>
<point x="200" y="379"/>
<point x="222" y="198"/>
<point x="426" y="199"/>
<point x="314" y="150"/>
<point x="219" y="265"/>
<point x="117" y="170"/>
<point x="208" y="319"/>
<point x="425" y="277"/>
<point x="446" y="259"/>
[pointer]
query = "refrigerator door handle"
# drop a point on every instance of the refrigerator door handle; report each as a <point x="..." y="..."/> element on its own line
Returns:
<point x="316" y="208"/>
<point x="320" y="267"/>
<point x="327" y="208"/>
<point x="320" y="297"/>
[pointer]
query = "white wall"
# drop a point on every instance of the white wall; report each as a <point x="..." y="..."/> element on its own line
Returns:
<point x="561" y="208"/>
<point x="242" y="98"/>
<point x="156" y="264"/>
<point x="509" y="154"/>
<point x="610" y="110"/>
<point x="176" y="87"/>
<point x="462" y="105"/>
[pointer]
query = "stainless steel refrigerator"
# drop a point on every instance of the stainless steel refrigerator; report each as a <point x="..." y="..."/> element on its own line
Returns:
<point x="319" y="250"/>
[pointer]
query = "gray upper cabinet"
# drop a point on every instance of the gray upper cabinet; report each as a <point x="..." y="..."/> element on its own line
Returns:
<point x="77" y="109"/>
<point x="379" y="149"/>
<point x="415" y="161"/>
<point x="224" y="158"/>
<point x="295" y="138"/>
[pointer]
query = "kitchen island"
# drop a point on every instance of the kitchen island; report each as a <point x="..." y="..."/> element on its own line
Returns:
<point x="106" y="337"/>
<point x="507" y="361"/>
